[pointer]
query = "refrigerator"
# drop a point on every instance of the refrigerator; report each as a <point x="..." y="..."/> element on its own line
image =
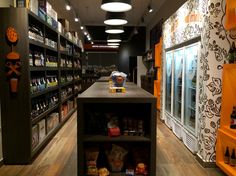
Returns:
<point x="181" y="92"/>
<point x="168" y="81"/>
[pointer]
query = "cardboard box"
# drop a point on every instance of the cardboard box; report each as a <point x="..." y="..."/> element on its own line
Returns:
<point x="35" y="136"/>
<point x="65" y="23"/>
<point x="33" y="6"/>
<point x="42" y="130"/>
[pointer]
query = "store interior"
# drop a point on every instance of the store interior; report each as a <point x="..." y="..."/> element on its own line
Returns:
<point x="155" y="97"/>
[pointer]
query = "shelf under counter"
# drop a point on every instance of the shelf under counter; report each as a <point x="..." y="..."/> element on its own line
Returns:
<point x="122" y="138"/>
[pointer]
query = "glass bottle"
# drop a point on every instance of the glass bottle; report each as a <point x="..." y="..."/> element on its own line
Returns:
<point x="233" y="118"/>
<point x="233" y="158"/>
<point x="227" y="156"/>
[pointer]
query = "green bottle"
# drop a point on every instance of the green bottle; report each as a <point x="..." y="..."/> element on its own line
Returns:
<point x="232" y="53"/>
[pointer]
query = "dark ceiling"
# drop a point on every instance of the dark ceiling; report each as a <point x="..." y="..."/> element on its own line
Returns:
<point x="92" y="16"/>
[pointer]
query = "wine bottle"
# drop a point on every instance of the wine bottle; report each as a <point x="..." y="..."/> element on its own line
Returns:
<point x="233" y="118"/>
<point x="227" y="156"/>
<point x="231" y="53"/>
<point x="233" y="158"/>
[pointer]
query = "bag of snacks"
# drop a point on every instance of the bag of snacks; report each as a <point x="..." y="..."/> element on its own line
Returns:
<point x="91" y="156"/>
<point x="116" y="158"/>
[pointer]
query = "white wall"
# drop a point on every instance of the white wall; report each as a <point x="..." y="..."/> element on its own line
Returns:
<point x="141" y="69"/>
<point x="6" y="3"/>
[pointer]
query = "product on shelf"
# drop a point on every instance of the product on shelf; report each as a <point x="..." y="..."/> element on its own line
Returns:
<point x="91" y="156"/>
<point x="66" y="92"/>
<point x="35" y="33"/>
<point x="103" y="172"/>
<point x="51" y="81"/>
<point x="232" y="160"/>
<point x="113" y="127"/>
<point x="227" y="156"/>
<point x="232" y="54"/>
<point x="116" y="158"/>
<point x="52" y="121"/>
<point x="42" y="130"/>
<point x="233" y="118"/>
<point x="51" y="61"/>
<point x="141" y="169"/>
<point x="35" y="136"/>
<point x="50" y="43"/>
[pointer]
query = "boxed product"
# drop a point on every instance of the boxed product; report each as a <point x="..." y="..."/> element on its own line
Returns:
<point x="50" y="124"/>
<point x="42" y="130"/>
<point x="60" y="28"/>
<point x="65" y="23"/>
<point x="33" y="6"/>
<point x="42" y="14"/>
<point x="48" y="8"/>
<point x="54" y="14"/>
<point x="42" y="4"/>
<point x="35" y="136"/>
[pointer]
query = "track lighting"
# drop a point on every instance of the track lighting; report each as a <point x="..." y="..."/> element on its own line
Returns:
<point x="114" y="29"/>
<point x="115" y="18"/>
<point x="116" y="5"/>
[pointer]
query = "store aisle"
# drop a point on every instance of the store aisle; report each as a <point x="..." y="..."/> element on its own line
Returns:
<point x="59" y="157"/>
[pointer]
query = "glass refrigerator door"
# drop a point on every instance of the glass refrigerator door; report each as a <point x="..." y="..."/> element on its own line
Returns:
<point x="178" y="67"/>
<point x="191" y="56"/>
<point x="168" y="81"/>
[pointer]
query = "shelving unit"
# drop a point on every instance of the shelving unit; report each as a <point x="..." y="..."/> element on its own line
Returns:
<point x="226" y="136"/>
<point x="47" y="89"/>
<point x="158" y="65"/>
<point x="136" y="104"/>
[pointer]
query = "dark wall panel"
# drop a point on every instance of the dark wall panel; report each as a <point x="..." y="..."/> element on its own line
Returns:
<point x="103" y="58"/>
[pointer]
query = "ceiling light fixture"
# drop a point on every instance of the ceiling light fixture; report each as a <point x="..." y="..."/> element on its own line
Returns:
<point x="115" y="18"/>
<point x="116" y="5"/>
<point x="150" y="9"/>
<point x="85" y="33"/>
<point x="68" y="6"/>
<point x="113" y="44"/>
<point x="81" y="27"/>
<point x="76" y="18"/>
<point x="113" y="38"/>
<point x="114" y="29"/>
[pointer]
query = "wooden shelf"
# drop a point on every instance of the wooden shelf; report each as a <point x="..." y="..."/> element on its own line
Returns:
<point x="226" y="137"/>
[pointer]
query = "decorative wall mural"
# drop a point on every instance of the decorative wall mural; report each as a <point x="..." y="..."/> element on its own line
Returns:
<point x="13" y="59"/>
<point x="215" y="43"/>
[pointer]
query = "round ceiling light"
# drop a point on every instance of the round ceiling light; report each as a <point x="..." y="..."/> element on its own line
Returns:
<point x="116" y="5"/>
<point x="114" y="29"/>
<point x="113" y="38"/>
<point x="113" y="44"/>
<point x="115" y="18"/>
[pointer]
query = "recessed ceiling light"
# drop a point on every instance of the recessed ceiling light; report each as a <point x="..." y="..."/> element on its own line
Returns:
<point x="114" y="29"/>
<point x="115" y="18"/>
<point x="81" y="27"/>
<point x="116" y="5"/>
<point x="150" y="9"/>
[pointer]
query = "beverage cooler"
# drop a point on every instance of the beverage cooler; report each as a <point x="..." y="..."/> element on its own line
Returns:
<point x="180" y="87"/>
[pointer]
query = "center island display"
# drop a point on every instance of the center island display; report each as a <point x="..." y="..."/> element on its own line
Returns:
<point x="116" y="131"/>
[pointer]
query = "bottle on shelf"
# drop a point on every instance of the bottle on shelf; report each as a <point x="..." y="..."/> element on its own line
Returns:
<point x="232" y="53"/>
<point x="226" y="156"/>
<point x="233" y="158"/>
<point x="233" y="118"/>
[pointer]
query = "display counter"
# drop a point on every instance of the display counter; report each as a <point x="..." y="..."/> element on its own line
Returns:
<point x="96" y="108"/>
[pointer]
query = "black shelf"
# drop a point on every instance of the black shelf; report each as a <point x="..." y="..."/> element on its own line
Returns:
<point x="67" y="68"/>
<point x="37" y="68"/>
<point x="36" y="43"/>
<point x="17" y="108"/>
<point x="66" y="53"/>
<point x="44" y="91"/>
<point x="39" y="117"/>
<point x="135" y="103"/>
<point x="67" y="98"/>
<point x="66" y="83"/>
<point x="77" y="80"/>
<point x="122" y="138"/>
